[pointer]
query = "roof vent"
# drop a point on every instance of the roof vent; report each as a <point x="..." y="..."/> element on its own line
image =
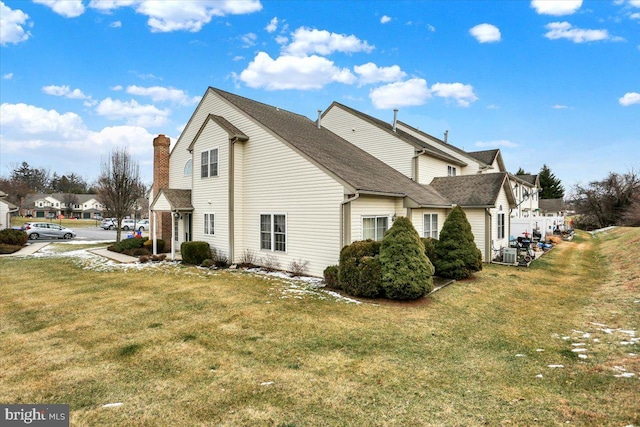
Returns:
<point x="395" y="118"/>
<point x="319" y="119"/>
<point x="446" y="136"/>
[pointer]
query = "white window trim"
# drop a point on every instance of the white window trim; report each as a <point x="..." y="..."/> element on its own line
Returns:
<point x="273" y="233"/>
<point x="190" y="164"/>
<point x="207" y="222"/>
<point x="209" y="163"/>
<point x="451" y="169"/>
<point x="388" y="217"/>
<point x="424" y="222"/>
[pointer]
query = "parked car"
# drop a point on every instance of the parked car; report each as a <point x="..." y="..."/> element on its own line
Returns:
<point x="133" y="224"/>
<point x="38" y="230"/>
<point x="108" y="223"/>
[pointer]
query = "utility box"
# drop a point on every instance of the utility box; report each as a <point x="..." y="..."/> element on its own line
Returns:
<point x="510" y="255"/>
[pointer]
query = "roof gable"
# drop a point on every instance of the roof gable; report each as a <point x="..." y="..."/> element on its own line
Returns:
<point x="177" y="200"/>
<point x="400" y="134"/>
<point x="339" y="158"/>
<point x="234" y="132"/>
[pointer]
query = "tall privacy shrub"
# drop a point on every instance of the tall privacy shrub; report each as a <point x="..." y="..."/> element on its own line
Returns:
<point x="457" y="256"/>
<point x="359" y="269"/>
<point x="407" y="273"/>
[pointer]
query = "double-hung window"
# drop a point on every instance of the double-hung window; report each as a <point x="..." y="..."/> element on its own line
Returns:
<point x="500" y="226"/>
<point x="374" y="227"/>
<point x="209" y="163"/>
<point x="209" y="224"/>
<point x="430" y="225"/>
<point x="273" y="232"/>
<point x="451" y="171"/>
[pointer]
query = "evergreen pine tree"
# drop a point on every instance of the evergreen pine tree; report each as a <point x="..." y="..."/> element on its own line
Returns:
<point x="457" y="256"/>
<point x="551" y="186"/>
<point x="407" y="273"/>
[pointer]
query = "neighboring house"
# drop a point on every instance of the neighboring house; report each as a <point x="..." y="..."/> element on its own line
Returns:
<point x="6" y="209"/>
<point x="42" y="205"/>
<point x="246" y="176"/>
<point x="552" y="207"/>
<point x="476" y="181"/>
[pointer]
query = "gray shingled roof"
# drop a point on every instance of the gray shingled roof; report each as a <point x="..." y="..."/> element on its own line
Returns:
<point x="179" y="200"/>
<point x="529" y="179"/>
<point x="551" y="205"/>
<point x="486" y="156"/>
<point x="224" y="124"/>
<point x="345" y="161"/>
<point x="82" y="198"/>
<point x="402" y="135"/>
<point x="480" y="190"/>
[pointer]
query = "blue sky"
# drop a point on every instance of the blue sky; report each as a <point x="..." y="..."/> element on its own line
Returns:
<point x="553" y="82"/>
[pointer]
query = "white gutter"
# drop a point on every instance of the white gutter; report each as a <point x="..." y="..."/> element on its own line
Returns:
<point x="415" y="163"/>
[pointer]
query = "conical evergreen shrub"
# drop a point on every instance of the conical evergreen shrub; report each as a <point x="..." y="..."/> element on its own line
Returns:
<point x="457" y="256"/>
<point x="407" y="273"/>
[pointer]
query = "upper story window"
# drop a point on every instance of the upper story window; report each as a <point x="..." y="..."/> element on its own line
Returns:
<point x="188" y="168"/>
<point x="451" y="171"/>
<point x="209" y="163"/>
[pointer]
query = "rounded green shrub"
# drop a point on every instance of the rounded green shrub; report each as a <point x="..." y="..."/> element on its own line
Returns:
<point x="128" y="245"/>
<point x="9" y="236"/>
<point x="331" y="276"/>
<point x="194" y="253"/>
<point x="350" y="275"/>
<point x="430" y="247"/>
<point x="457" y="256"/>
<point x="407" y="273"/>
<point x="148" y="245"/>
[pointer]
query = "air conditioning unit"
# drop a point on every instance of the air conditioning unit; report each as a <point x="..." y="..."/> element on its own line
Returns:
<point x="509" y="255"/>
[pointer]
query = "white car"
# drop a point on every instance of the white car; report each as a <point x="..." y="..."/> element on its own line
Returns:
<point x="39" y="230"/>
<point x="131" y="224"/>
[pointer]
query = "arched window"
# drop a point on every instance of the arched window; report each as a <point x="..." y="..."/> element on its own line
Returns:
<point x="188" y="168"/>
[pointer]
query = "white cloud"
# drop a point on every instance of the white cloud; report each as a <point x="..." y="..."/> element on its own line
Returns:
<point x="186" y="15"/>
<point x="12" y="23"/>
<point x="115" y="24"/>
<point x="133" y="113"/>
<point x="431" y="28"/>
<point x="7" y="76"/>
<point x="486" y="33"/>
<point x="238" y="58"/>
<point x="556" y="7"/>
<point x="272" y="26"/>
<point x="282" y="39"/>
<point x="559" y="107"/>
<point x="306" y="41"/>
<point x="564" y="30"/>
<point x="293" y="72"/>
<point x="370" y="73"/>
<point x="249" y="39"/>
<point x="630" y="98"/>
<point x="496" y="143"/>
<point x="159" y="94"/>
<point x="385" y="19"/>
<point x="66" y="8"/>
<point x="400" y="94"/>
<point x="30" y="121"/>
<point x="635" y="15"/>
<point x="463" y="94"/>
<point x="64" y="91"/>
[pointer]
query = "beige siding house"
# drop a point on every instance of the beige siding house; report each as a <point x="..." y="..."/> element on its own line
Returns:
<point x="273" y="183"/>
<point x="6" y="209"/>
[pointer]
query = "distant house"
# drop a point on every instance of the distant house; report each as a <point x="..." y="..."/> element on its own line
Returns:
<point x="6" y="209"/>
<point x="87" y="206"/>
<point x="250" y="178"/>
<point x="552" y="207"/>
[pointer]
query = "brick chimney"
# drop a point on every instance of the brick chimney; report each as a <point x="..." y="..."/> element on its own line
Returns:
<point x="161" y="180"/>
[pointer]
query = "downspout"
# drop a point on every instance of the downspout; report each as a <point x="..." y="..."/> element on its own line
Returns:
<point x="415" y="163"/>
<point x="231" y="198"/>
<point x="490" y="234"/>
<point x="342" y="218"/>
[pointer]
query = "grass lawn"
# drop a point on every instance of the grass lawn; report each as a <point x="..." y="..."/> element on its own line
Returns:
<point x="184" y="346"/>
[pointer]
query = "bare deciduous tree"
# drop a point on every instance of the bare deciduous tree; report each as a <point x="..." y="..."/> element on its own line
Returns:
<point x="119" y="185"/>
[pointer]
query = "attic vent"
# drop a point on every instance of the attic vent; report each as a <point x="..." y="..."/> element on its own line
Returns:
<point x="395" y="118"/>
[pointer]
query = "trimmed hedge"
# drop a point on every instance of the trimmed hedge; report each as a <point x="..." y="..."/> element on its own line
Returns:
<point x="457" y="256"/>
<point x="407" y="273"/>
<point x="148" y="245"/>
<point x="358" y="270"/>
<point x="127" y="245"/>
<point x="194" y="253"/>
<point x="331" y="276"/>
<point x="9" y="236"/>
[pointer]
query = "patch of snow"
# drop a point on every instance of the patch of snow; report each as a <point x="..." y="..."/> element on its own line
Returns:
<point x="555" y="366"/>
<point x="267" y="383"/>
<point x="582" y="356"/>
<point x="539" y="350"/>
<point x="625" y="375"/>
<point x="578" y="344"/>
<point x="112" y="405"/>
<point x="520" y="355"/>
<point x="539" y="376"/>
<point x="579" y="350"/>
